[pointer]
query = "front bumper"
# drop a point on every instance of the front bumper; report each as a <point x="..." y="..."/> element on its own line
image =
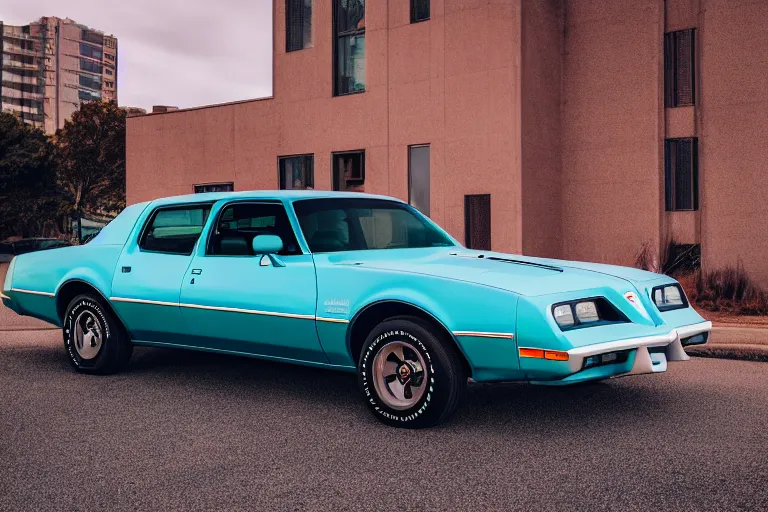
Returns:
<point x="648" y="354"/>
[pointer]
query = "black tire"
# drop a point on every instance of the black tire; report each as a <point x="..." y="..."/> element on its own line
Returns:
<point x="444" y="376"/>
<point x="108" y="348"/>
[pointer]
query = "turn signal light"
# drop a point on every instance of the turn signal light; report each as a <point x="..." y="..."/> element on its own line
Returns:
<point x="552" y="355"/>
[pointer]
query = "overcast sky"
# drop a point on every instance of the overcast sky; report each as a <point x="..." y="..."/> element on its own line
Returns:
<point x="174" y="52"/>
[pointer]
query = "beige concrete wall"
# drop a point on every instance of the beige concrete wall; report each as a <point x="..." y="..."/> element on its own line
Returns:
<point x="612" y="128"/>
<point x="734" y="135"/>
<point x="542" y="40"/>
<point x="451" y="82"/>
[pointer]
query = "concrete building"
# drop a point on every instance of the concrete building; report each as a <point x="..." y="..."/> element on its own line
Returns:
<point x="51" y="66"/>
<point x="579" y="129"/>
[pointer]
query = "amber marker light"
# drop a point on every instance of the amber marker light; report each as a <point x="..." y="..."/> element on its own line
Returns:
<point x="536" y="353"/>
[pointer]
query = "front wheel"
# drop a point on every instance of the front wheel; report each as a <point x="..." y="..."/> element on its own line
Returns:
<point x="94" y="339"/>
<point x="410" y="377"/>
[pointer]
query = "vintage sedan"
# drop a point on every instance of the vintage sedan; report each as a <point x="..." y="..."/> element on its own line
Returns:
<point x="351" y="282"/>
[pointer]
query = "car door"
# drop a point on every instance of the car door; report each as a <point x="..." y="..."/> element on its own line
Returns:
<point x="233" y="300"/>
<point x="148" y="276"/>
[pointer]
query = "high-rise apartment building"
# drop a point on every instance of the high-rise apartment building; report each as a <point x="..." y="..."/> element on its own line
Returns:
<point x="51" y="66"/>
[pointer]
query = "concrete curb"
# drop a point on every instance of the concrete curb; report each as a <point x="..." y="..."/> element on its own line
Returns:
<point x="735" y="351"/>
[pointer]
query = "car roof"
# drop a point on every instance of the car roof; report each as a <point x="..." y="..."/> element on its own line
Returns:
<point x="282" y="195"/>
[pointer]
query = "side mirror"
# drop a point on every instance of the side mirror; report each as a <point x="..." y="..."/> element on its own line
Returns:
<point x="267" y="244"/>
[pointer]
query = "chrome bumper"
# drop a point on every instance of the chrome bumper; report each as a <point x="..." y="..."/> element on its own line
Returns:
<point x="644" y="362"/>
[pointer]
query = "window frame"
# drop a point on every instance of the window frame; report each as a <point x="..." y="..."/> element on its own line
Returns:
<point x="223" y="208"/>
<point x="413" y="12"/>
<point x="182" y="206"/>
<point x="280" y="174"/>
<point x="429" y="171"/>
<point x="670" y="202"/>
<point x="671" y="66"/>
<point x="304" y="44"/>
<point x="231" y="183"/>
<point x="468" y="223"/>
<point x="334" y="154"/>
<point x="335" y="45"/>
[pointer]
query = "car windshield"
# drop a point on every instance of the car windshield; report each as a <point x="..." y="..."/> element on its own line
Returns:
<point x="333" y="225"/>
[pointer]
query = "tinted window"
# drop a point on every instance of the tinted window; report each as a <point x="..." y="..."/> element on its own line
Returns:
<point x="175" y="230"/>
<point x="239" y="223"/>
<point x="331" y="225"/>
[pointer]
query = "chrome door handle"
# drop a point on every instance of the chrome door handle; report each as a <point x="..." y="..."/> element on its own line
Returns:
<point x="197" y="271"/>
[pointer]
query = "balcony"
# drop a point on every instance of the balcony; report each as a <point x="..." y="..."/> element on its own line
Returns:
<point x="11" y="64"/>
<point x="17" y="94"/>
<point x="15" y="78"/>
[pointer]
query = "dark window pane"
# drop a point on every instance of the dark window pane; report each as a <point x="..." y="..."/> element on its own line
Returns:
<point x="681" y="174"/>
<point x="350" y="15"/>
<point x="679" y="68"/>
<point x="240" y="223"/>
<point x="418" y="178"/>
<point x="89" y="65"/>
<point x="477" y="221"/>
<point x="296" y="172"/>
<point x="350" y="64"/>
<point x="91" y="81"/>
<point x="349" y="170"/>
<point x="214" y="187"/>
<point x="92" y="37"/>
<point x="298" y="24"/>
<point x="88" y="95"/>
<point x="419" y="10"/>
<point x="90" y="51"/>
<point x="175" y="230"/>
<point x="332" y="225"/>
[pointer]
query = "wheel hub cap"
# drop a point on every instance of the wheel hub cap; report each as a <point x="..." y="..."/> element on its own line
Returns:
<point x="398" y="375"/>
<point x="88" y="335"/>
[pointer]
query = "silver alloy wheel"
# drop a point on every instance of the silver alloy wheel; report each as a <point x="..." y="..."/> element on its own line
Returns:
<point x="399" y="375"/>
<point x="88" y="337"/>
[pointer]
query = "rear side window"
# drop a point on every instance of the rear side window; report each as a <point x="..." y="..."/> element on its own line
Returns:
<point x="174" y="230"/>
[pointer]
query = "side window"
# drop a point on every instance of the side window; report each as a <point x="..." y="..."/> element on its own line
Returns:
<point x="326" y="230"/>
<point x="239" y="223"/>
<point x="174" y="230"/>
<point x="391" y="229"/>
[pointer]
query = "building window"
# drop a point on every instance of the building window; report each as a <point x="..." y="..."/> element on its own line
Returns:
<point x="92" y="37"/>
<point x="349" y="170"/>
<point x="681" y="174"/>
<point x="418" y="177"/>
<point x="88" y="95"/>
<point x="214" y="187"/>
<point x="87" y="50"/>
<point x="91" y="82"/>
<point x="296" y="172"/>
<point x="109" y="56"/>
<point x="109" y="71"/>
<point x="89" y="65"/>
<point x="298" y="25"/>
<point x="477" y="221"/>
<point x="419" y="10"/>
<point x="349" y="47"/>
<point x="679" y="68"/>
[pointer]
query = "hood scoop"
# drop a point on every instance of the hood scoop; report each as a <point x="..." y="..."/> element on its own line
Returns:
<point x="482" y="256"/>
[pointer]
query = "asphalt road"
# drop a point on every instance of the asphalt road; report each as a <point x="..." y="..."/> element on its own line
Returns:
<point x="192" y="431"/>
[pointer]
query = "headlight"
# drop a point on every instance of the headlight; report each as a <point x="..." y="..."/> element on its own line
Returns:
<point x="564" y="315"/>
<point x="586" y="312"/>
<point x="669" y="297"/>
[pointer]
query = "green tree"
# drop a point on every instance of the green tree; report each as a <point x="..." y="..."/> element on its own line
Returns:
<point x="91" y="160"/>
<point x="28" y="193"/>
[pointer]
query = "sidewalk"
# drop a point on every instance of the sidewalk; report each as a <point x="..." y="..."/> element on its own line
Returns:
<point x="731" y="342"/>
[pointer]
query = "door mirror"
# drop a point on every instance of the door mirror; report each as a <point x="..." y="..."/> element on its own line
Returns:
<point x="267" y="244"/>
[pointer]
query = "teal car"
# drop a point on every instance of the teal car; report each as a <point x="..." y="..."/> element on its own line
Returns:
<point x="352" y="282"/>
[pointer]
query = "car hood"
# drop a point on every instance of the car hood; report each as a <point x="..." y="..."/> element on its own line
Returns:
<point x="523" y="275"/>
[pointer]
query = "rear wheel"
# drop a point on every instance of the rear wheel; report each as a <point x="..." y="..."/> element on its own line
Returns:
<point x="94" y="339"/>
<point x="410" y="377"/>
